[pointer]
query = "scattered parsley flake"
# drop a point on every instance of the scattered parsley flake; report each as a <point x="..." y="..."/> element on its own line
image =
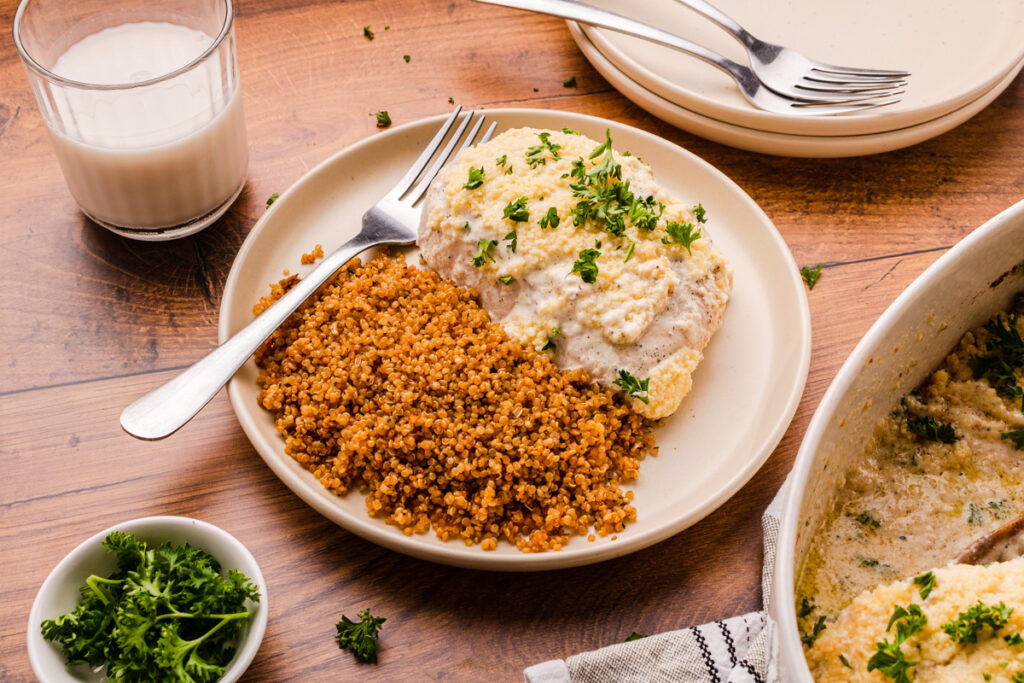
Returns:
<point x="513" y="240"/>
<point x="484" y="252"/>
<point x="508" y="171"/>
<point x="476" y="178"/>
<point x="816" y="630"/>
<point x="925" y="584"/>
<point x="535" y="153"/>
<point x="1014" y="639"/>
<point x="500" y="161"/>
<point x="806" y="608"/>
<point x="811" y="275"/>
<point x="549" y="345"/>
<point x="360" y="637"/>
<point x="1016" y="436"/>
<point x="700" y="214"/>
<point x="629" y="252"/>
<point x="517" y="211"/>
<point x="569" y="82"/>
<point x="867" y="520"/>
<point x="406" y="58"/>
<point x="569" y="131"/>
<point x="682" y="233"/>
<point x="636" y="388"/>
<point x="586" y="265"/>
<point x="930" y="429"/>
<point x="634" y="636"/>
<point x="967" y="625"/>
<point x="383" y="119"/>
<point x="889" y="658"/>
<point x="451" y="100"/>
<point x="272" y="198"/>
<point x="845" y="662"/>
<point x="505" y="279"/>
<point x="549" y="219"/>
<point x="367" y="33"/>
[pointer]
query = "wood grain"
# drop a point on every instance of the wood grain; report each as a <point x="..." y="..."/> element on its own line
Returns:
<point x="91" y="321"/>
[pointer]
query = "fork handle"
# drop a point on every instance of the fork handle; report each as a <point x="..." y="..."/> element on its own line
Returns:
<point x="569" y="9"/>
<point x="167" y="408"/>
<point x="722" y="19"/>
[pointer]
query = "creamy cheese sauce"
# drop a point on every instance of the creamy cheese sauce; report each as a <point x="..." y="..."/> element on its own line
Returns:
<point x="912" y="503"/>
<point x="654" y="303"/>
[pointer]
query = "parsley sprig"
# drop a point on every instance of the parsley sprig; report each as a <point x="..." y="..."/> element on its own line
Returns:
<point x="586" y="265"/>
<point x="517" y="211"/>
<point x="535" y="154"/>
<point x="484" y="252"/>
<point x="966" y="627"/>
<point x="167" y="613"/>
<point x="360" y="637"/>
<point x="476" y="178"/>
<point x="636" y="388"/>
<point x="889" y="658"/>
<point x="681" y="233"/>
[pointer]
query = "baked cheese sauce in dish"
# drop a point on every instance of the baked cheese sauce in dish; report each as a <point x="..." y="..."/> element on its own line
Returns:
<point x="942" y="469"/>
<point x="575" y="249"/>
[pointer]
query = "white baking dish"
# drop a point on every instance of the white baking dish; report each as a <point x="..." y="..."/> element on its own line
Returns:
<point x="961" y="290"/>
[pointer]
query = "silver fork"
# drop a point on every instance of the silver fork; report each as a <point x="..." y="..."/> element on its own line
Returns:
<point x="788" y="72"/>
<point x="392" y="220"/>
<point x="813" y="102"/>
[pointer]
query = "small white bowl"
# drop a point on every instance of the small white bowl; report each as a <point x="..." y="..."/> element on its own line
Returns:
<point x="59" y="593"/>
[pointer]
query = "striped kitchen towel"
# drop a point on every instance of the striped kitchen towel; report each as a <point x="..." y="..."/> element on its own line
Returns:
<point x="740" y="649"/>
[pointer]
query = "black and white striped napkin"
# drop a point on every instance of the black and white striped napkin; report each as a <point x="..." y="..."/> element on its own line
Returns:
<point x="740" y="649"/>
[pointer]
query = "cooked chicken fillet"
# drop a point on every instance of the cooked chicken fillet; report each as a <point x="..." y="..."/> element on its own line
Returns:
<point x="657" y="289"/>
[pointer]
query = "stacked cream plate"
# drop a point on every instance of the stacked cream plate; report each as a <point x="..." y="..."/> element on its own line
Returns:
<point x="962" y="54"/>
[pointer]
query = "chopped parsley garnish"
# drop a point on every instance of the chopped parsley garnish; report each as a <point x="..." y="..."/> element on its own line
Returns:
<point x="1016" y="436"/>
<point x="844" y="661"/>
<point x="513" y="239"/>
<point x="930" y="429"/>
<point x="867" y="520"/>
<point x="1004" y="355"/>
<point x="406" y="58"/>
<point x="535" y="154"/>
<point x="360" y="637"/>
<point x="806" y="608"/>
<point x="549" y="219"/>
<point x="1014" y="639"/>
<point x="700" y="214"/>
<point x="569" y="131"/>
<point x="816" y="630"/>
<point x="500" y="161"/>
<point x="967" y="625"/>
<point x="608" y="168"/>
<point x="889" y="659"/>
<point x="681" y="233"/>
<point x="508" y="171"/>
<point x="634" y="636"/>
<point x="629" y="252"/>
<point x="383" y="119"/>
<point x="166" y="613"/>
<point x="925" y="584"/>
<point x="272" y="198"/>
<point x="1017" y="677"/>
<point x="451" y="100"/>
<point x="367" y="33"/>
<point x="811" y="275"/>
<point x="484" y="252"/>
<point x="517" y="211"/>
<point x="569" y="82"/>
<point x="637" y="388"/>
<point x="505" y="279"/>
<point x="476" y="178"/>
<point x="586" y="265"/>
<point x="549" y="345"/>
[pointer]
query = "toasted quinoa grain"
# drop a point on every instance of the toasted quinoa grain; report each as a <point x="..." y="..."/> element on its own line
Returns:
<point x="395" y="382"/>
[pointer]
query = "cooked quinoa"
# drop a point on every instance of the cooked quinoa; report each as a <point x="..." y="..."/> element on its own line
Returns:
<point x="395" y="382"/>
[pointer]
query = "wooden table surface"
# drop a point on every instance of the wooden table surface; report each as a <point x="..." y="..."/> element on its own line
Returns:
<point x="90" y="321"/>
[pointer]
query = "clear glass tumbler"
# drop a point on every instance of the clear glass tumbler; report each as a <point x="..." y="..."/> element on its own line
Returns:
<point x="142" y="102"/>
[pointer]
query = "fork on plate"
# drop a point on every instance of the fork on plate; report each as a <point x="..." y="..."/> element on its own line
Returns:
<point x="795" y="100"/>
<point x="791" y="73"/>
<point x="392" y="220"/>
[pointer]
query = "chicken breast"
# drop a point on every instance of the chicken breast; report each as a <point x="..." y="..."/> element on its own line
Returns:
<point x="574" y="248"/>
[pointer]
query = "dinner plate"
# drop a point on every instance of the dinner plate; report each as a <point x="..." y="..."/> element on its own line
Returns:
<point x="745" y="392"/>
<point x="782" y="144"/>
<point x="936" y="40"/>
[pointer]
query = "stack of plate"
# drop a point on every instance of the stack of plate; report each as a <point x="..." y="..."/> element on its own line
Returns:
<point x="961" y="54"/>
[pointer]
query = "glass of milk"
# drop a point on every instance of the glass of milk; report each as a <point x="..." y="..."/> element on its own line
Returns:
<point x="142" y="102"/>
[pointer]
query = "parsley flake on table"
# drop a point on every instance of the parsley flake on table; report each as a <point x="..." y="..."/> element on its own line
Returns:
<point x="811" y="275"/>
<point x="549" y="219"/>
<point x="476" y="178"/>
<point x="966" y="627"/>
<point x="272" y="198"/>
<point x="360" y="637"/>
<point x="681" y="233"/>
<point x="636" y="388"/>
<point x="586" y="265"/>
<point x="925" y="584"/>
<point x="569" y="82"/>
<point x="513" y="239"/>
<point x="634" y="636"/>
<point x="484" y="252"/>
<point x="517" y="211"/>
<point x="406" y="58"/>
<point x="367" y="33"/>
<point x="383" y="119"/>
<point x="167" y="613"/>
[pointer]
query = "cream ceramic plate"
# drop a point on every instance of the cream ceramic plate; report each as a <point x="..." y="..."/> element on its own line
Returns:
<point x="956" y="50"/>
<point x="782" y="144"/>
<point x="744" y="393"/>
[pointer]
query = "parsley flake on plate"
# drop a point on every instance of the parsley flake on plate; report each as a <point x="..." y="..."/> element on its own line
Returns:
<point x="484" y="252"/>
<point x="925" y="584"/>
<point x="513" y="240"/>
<point x="586" y="265"/>
<point x="681" y="233"/>
<point x="636" y="388"/>
<point x="889" y="658"/>
<point x="476" y="178"/>
<point x="966" y="627"/>
<point x="549" y="219"/>
<point x="517" y="211"/>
